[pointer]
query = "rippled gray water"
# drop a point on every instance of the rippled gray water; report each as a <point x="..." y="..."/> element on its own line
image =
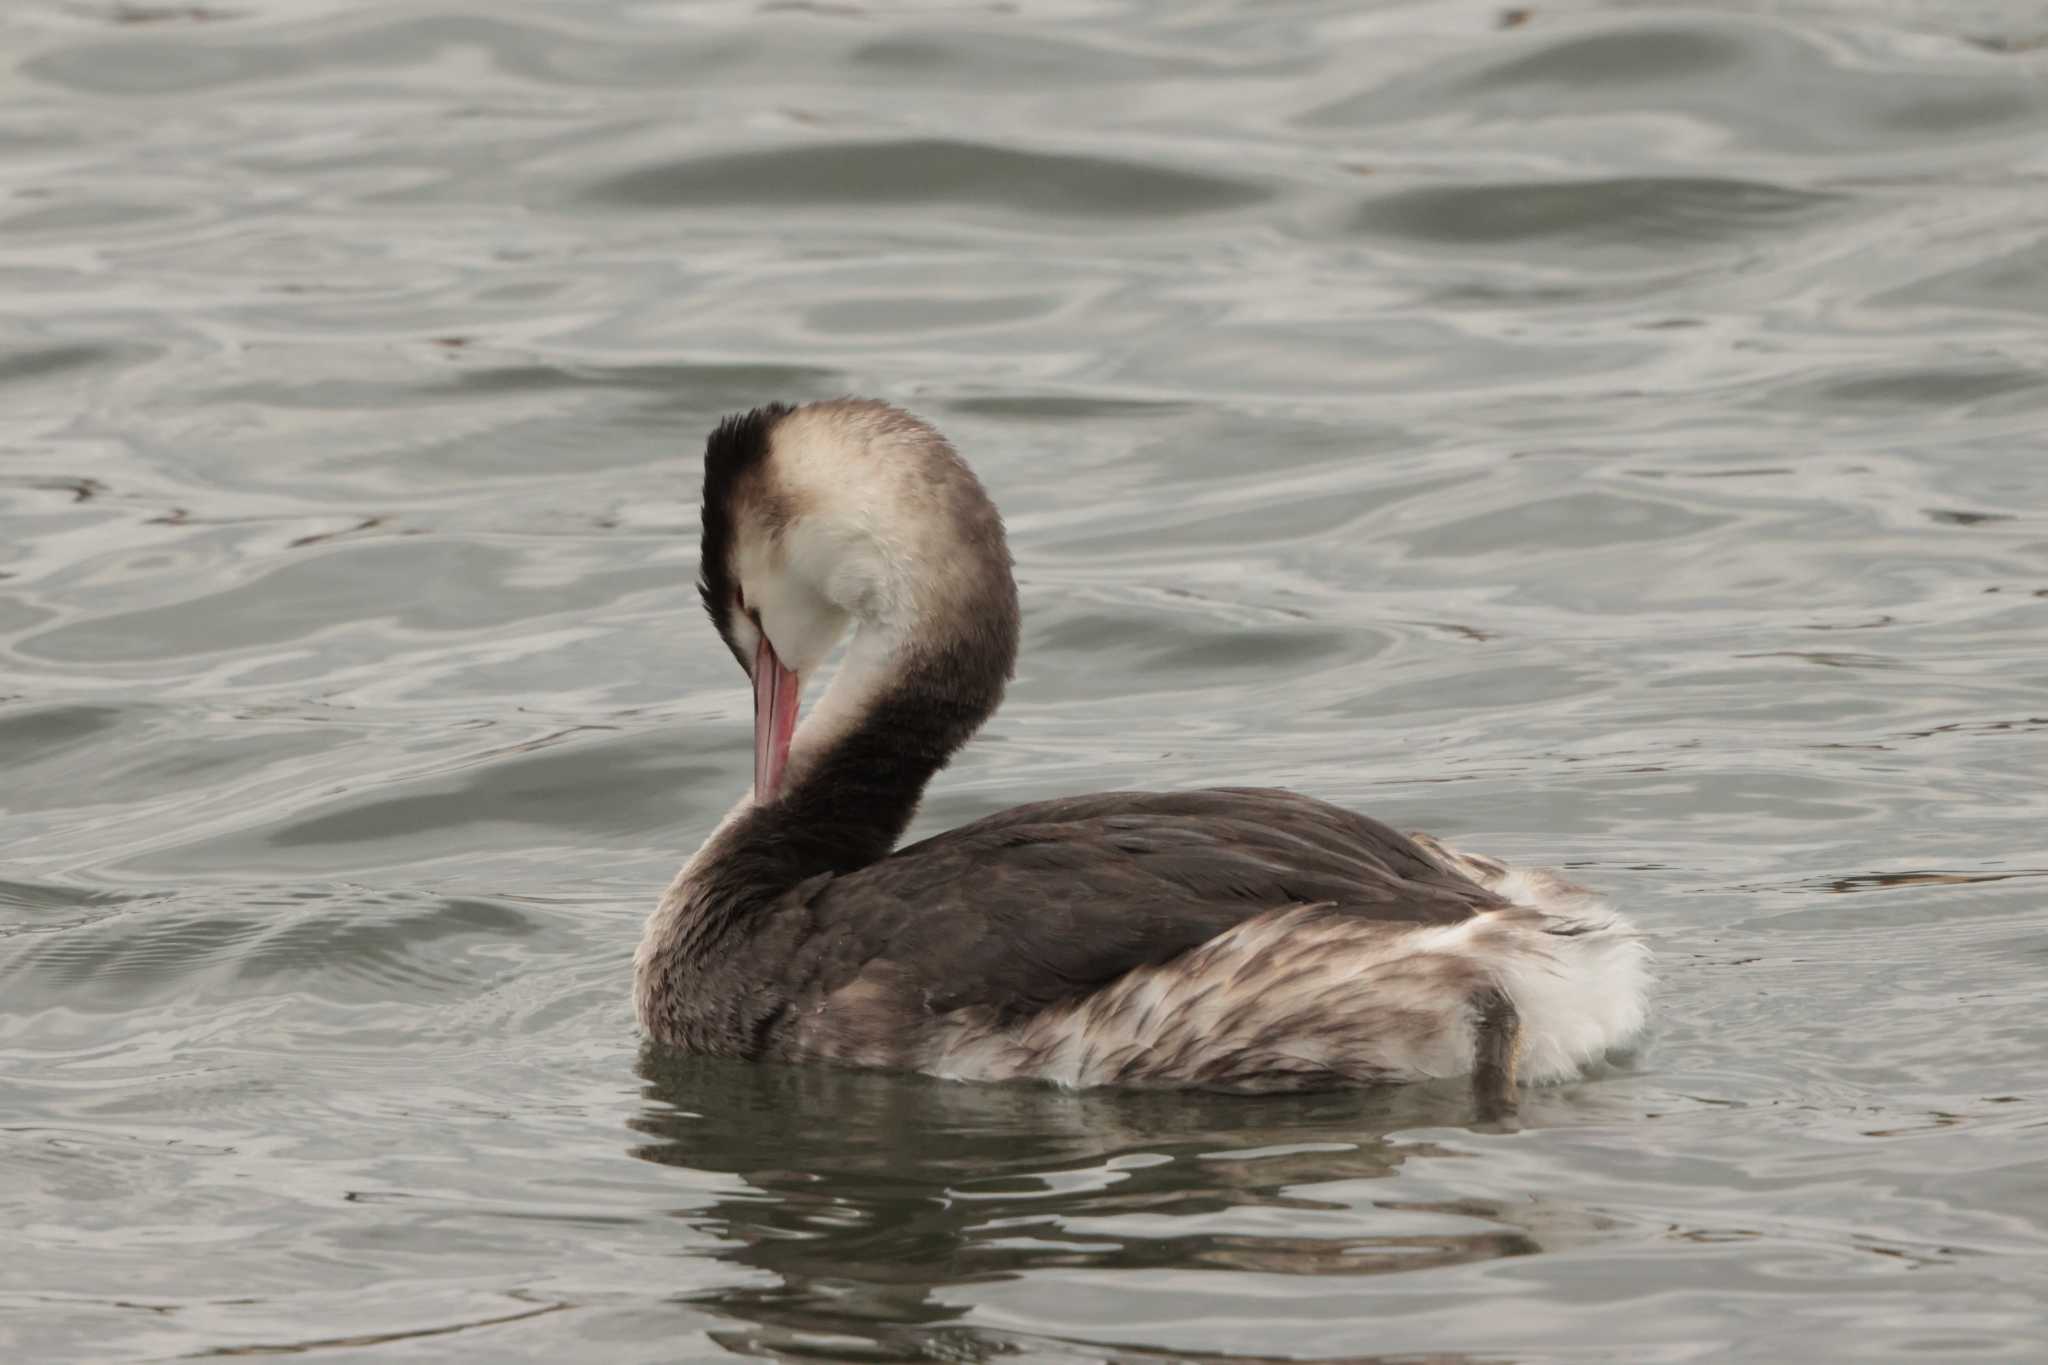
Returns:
<point x="1608" y="433"/>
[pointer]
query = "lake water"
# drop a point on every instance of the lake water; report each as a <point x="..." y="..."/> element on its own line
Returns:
<point x="1609" y="434"/>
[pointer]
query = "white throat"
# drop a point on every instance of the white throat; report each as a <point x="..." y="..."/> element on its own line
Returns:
<point x="873" y="659"/>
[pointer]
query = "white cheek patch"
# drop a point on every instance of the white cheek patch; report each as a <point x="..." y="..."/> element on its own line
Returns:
<point x="854" y="575"/>
<point x="781" y="588"/>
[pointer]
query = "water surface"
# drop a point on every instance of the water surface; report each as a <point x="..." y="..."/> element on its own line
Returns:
<point x="1607" y="434"/>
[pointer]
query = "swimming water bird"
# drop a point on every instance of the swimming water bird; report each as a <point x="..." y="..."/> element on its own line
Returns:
<point x="1235" y="939"/>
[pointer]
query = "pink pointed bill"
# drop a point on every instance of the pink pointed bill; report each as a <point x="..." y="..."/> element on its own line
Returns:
<point x="775" y="696"/>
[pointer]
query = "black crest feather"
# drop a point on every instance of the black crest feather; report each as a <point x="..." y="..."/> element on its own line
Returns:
<point x="736" y="446"/>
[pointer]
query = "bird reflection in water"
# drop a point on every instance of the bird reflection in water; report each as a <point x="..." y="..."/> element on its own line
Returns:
<point x="876" y="1201"/>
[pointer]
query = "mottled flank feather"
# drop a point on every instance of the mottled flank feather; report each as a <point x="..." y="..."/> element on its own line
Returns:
<point x="1311" y="997"/>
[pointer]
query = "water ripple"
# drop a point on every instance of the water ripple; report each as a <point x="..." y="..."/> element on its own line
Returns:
<point x="1645" y="215"/>
<point x="811" y="178"/>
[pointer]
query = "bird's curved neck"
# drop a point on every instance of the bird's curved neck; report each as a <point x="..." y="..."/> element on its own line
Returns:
<point x="859" y="763"/>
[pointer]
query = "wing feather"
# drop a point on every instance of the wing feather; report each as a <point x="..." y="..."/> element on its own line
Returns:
<point x="1045" y="902"/>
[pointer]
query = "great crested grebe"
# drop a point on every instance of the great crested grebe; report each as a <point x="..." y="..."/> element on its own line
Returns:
<point x="1234" y="939"/>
